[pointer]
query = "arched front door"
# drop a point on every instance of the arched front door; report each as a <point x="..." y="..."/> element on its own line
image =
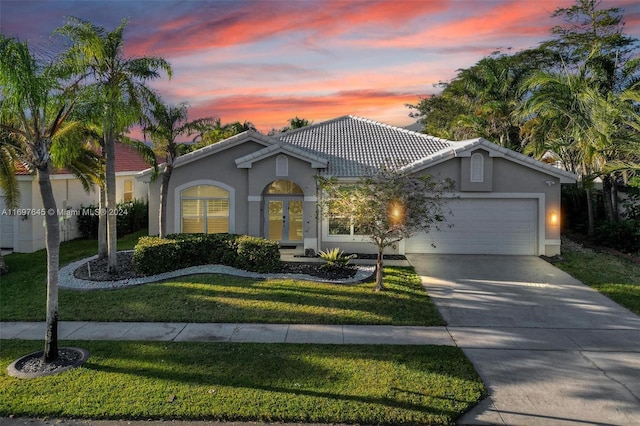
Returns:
<point x="284" y="201"/>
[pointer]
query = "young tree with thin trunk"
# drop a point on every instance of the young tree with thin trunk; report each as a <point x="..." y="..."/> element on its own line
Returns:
<point x="387" y="206"/>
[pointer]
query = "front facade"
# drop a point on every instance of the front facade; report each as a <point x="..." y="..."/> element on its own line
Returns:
<point x="503" y="203"/>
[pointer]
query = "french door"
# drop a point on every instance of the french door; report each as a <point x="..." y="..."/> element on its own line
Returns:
<point x="283" y="219"/>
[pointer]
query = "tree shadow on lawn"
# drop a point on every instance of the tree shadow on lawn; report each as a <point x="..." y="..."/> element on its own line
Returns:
<point x="211" y="298"/>
<point x="291" y="370"/>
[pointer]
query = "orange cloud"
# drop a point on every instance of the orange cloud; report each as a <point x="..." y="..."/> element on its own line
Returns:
<point x="268" y="112"/>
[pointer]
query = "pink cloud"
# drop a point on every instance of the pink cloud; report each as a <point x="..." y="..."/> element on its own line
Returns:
<point x="268" y="112"/>
<point x="504" y="20"/>
<point x="209" y="27"/>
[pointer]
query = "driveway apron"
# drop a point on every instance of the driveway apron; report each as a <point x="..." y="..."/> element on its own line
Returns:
<point x="550" y="349"/>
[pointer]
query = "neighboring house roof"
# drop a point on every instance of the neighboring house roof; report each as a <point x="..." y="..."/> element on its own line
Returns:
<point x="127" y="160"/>
<point x="355" y="145"/>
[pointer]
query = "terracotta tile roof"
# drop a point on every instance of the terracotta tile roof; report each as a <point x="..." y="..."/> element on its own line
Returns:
<point x="127" y="160"/>
<point x="354" y="145"/>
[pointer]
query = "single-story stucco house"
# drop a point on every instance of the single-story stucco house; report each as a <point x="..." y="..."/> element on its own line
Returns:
<point x="24" y="233"/>
<point x="504" y="202"/>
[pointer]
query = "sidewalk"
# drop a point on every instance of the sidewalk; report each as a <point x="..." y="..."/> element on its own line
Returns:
<point x="233" y="332"/>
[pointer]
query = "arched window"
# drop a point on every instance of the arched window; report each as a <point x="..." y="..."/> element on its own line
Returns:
<point x="282" y="165"/>
<point x="205" y="209"/>
<point x="283" y="187"/>
<point x="477" y="168"/>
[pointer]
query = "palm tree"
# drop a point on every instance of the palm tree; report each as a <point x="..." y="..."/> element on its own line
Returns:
<point x="555" y="108"/>
<point x="35" y="108"/>
<point x="94" y="134"/>
<point x="492" y="89"/>
<point x="120" y="83"/>
<point x="214" y="131"/>
<point x="587" y="127"/>
<point x="165" y="124"/>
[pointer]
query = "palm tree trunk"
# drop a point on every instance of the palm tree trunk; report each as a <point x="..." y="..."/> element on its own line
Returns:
<point x="52" y="243"/>
<point x="379" y="284"/>
<point x="614" y="201"/>
<point x="112" y="236"/>
<point x="607" y="197"/>
<point x="591" y="227"/>
<point x="102" y="224"/>
<point x="164" y="191"/>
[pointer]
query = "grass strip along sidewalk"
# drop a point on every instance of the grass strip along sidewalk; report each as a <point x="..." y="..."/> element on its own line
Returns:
<point x="365" y="384"/>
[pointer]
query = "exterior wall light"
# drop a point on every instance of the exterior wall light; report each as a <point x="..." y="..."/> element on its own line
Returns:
<point x="554" y="219"/>
<point x="396" y="213"/>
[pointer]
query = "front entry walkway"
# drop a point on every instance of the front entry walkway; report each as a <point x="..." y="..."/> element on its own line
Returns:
<point x="550" y="350"/>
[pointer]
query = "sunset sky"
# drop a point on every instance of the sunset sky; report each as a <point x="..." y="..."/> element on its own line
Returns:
<point x="268" y="61"/>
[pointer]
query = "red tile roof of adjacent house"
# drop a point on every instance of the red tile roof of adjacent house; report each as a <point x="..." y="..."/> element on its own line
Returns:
<point x="127" y="160"/>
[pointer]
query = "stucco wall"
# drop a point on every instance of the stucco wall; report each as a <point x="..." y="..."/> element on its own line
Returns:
<point x="221" y="168"/>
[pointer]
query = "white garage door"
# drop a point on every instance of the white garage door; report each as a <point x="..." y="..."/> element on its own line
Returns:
<point x="6" y="227"/>
<point x="483" y="226"/>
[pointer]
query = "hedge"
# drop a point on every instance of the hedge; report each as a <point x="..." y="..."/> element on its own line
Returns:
<point x="132" y="216"/>
<point x="154" y="255"/>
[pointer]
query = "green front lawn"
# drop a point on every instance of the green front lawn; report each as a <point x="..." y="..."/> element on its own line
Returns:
<point x="365" y="384"/>
<point x="613" y="276"/>
<point x="223" y="298"/>
<point x="215" y="298"/>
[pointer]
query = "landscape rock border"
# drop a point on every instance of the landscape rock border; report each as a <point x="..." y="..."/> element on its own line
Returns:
<point x="69" y="281"/>
<point x="69" y="357"/>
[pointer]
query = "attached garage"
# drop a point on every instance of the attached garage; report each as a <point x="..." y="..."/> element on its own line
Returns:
<point x="483" y="226"/>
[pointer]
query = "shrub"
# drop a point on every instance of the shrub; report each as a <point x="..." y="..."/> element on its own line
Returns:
<point x="154" y="255"/>
<point x="335" y="258"/>
<point x="631" y="206"/>
<point x="257" y="254"/>
<point x="132" y="216"/>
<point x="623" y="235"/>
<point x="87" y="221"/>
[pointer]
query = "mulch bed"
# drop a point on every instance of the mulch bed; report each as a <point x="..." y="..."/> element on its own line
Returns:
<point x="96" y="270"/>
<point x="32" y="365"/>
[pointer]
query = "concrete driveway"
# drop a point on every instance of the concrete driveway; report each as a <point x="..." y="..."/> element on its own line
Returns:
<point x="549" y="349"/>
